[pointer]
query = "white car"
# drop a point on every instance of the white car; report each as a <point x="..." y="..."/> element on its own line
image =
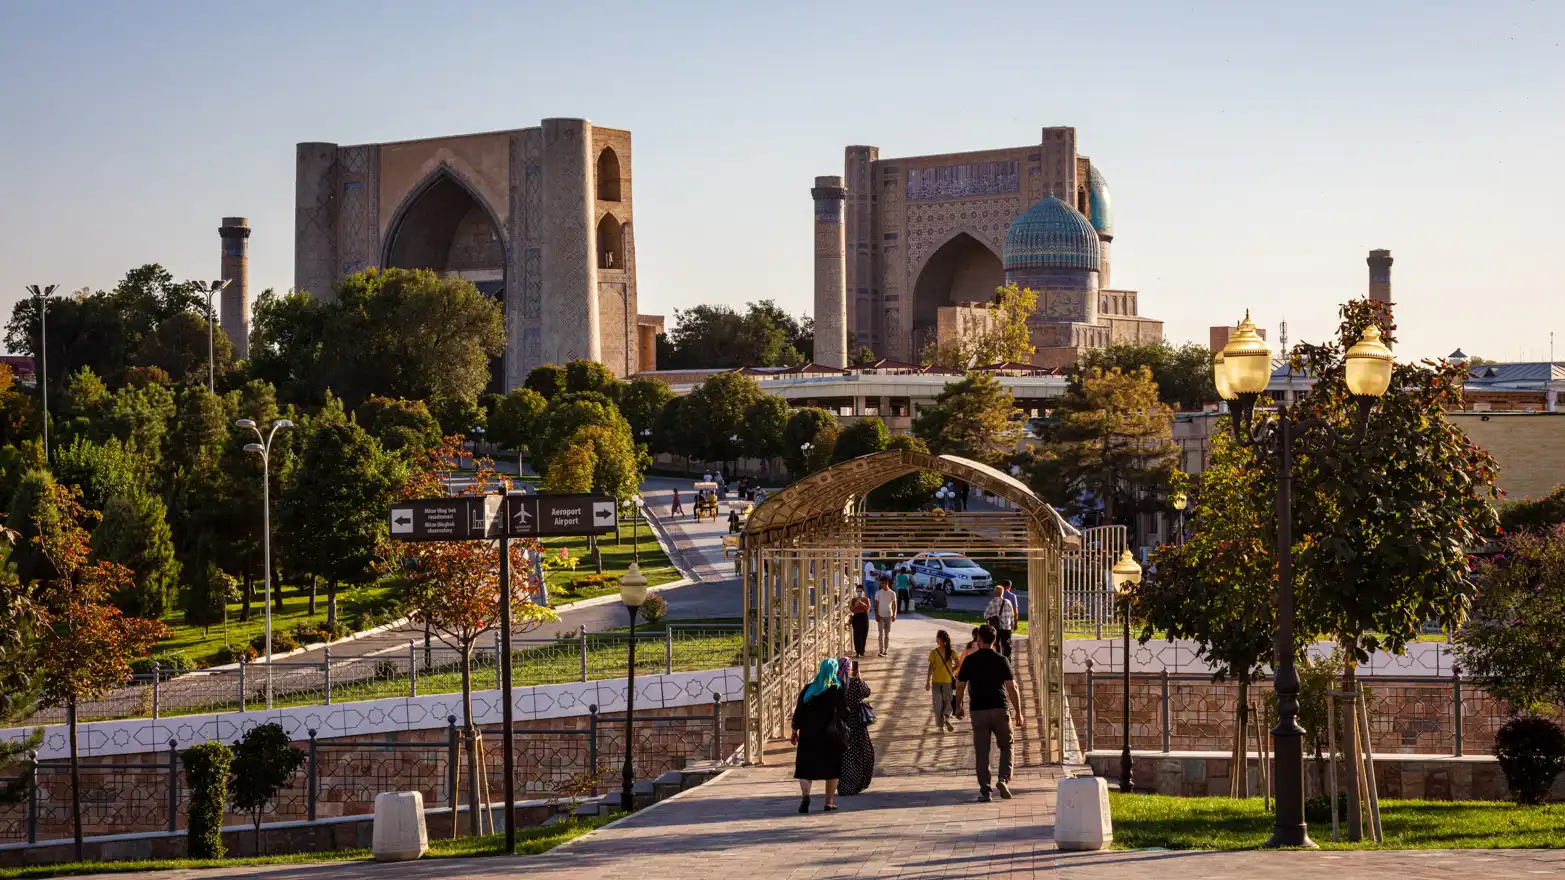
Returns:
<point x="953" y="571"/>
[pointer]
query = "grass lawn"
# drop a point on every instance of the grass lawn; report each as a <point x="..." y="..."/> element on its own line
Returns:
<point x="529" y="842"/>
<point x="198" y="642"/>
<point x="616" y="559"/>
<point x="1157" y="821"/>
<point x="971" y="618"/>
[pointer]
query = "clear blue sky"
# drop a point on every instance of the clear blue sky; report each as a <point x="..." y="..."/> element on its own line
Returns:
<point x="1255" y="151"/>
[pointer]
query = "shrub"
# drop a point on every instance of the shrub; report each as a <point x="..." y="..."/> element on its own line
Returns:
<point x="206" y="772"/>
<point x="168" y="661"/>
<point x="587" y="582"/>
<point x="264" y="762"/>
<point x="310" y="632"/>
<point x="1317" y="808"/>
<point x="231" y="654"/>
<point x="282" y="640"/>
<point x="1531" y="751"/>
<point x="654" y="609"/>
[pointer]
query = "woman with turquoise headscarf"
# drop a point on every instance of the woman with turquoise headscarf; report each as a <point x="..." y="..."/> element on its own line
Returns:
<point x="820" y="731"/>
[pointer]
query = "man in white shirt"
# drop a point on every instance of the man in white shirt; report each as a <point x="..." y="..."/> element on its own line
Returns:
<point x="869" y="576"/>
<point x="1001" y="615"/>
<point x="885" y="613"/>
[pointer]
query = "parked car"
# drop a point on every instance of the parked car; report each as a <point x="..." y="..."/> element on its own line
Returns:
<point x="953" y="571"/>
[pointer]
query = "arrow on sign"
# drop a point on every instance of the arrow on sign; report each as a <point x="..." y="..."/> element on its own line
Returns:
<point x="605" y="514"/>
<point x="403" y="520"/>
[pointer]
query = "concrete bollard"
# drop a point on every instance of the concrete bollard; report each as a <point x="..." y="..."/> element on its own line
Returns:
<point x="400" y="834"/>
<point x="1082" y="820"/>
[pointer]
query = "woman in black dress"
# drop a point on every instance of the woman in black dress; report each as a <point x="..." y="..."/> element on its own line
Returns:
<point x="858" y="760"/>
<point x="820" y="732"/>
<point x="858" y="620"/>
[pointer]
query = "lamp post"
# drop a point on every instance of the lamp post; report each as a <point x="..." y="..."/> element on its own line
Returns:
<point x="1126" y="574"/>
<point x="633" y="592"/>
<point x="264" y="449"/>
<point x="1241" y="371"/>
<point x="209" y="291"/>
<point x="1181" y="500"/>
<point x="42" y="294"/>
<point x="635" y="502"/>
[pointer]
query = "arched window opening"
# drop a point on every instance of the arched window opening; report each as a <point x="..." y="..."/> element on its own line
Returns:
<point x="608" y="176"/>
<point x="611" y="243"/>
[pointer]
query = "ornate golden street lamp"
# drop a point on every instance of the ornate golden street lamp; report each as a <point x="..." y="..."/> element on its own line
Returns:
<point x="1241" y="371"/>
<point x="1125" y="574"/>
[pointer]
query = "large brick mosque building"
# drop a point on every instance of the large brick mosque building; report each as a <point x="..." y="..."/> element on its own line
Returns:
<point x="898" y="240"/>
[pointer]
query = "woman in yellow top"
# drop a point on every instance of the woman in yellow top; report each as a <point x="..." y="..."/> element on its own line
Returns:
<point x="940" y="679"/>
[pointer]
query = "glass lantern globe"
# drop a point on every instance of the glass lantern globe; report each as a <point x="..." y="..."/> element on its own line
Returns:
<point x="1367" y="365"/>
<point x="1220" y="378"/>
<point x="1126" y="572"/>
<point x="1247" y="360"/>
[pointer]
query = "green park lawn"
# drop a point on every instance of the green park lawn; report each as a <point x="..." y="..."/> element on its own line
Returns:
<point x="616" y="559"/>
<point x="198" y="643"/>
<point x="1161" y="822"/>
<point x="529" y="842"/>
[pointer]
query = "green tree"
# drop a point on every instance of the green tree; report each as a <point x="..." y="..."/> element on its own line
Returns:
<point x="971" y="418"/>
<point x="708" y="336"/>
<point x="206" y="599"/>
<point x="403" y="427"/>
<point x="411" y="334"/>
<point x="516" y="419"/>
<point x="333" y="510"/>
<point x="765" y="427"/>
<point x="206" y="776"/>
<point x="179" y="347"/>
<point x="566" y="415"/>
<point x="140" y="417"/>
<point x="1183" y="374"/>
<point x="571" y="470"/>
<point x="863" y="356"/>
<point x="100" y="471"/>
<point x="718" y="406"/>
<point x="31" y="505"/>
<point x="617" y="468"/>
<point x="288" y="335"/>
<point x="548" y="380"/>
<point x="1109" y="444"/>
<point x="585" y="375"/>
<point x="264" y="763"/>
<point x="910" y="492"/>
<point x="1000" y="334"/>
<point x="134" y="533"/>
<point x="1512" y="645"/>
<point x="866" y="436"/>
<point x="82" y="407"/>
<point x="641" y="402"/>
<point x="814" y="426"/>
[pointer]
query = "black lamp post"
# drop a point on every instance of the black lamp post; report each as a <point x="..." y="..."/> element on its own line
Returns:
<point x="1242" y="370"/>
<point x="633" y="592"/>
<point x="1180" y="502"/>
<point x="1126" y="574"/>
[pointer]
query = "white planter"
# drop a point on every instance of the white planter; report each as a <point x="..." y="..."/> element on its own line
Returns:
<point x="400" y="834"/>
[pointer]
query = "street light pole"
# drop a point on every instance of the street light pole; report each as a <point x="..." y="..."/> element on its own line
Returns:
<point x="1125" y="574"/>
<point x="211" y="290"/>
<point x="1242" y="371"/>
<point x="264" y="449"/>
<point x="42" y="294"/>
<point x="633" y="592"/>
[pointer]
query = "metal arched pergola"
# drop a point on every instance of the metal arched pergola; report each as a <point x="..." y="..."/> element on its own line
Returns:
<point x="803" y="548"/>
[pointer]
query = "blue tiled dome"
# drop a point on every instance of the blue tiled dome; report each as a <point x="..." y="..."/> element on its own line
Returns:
<point x="1098" y="203"/>
<point x="1051" y="235"/>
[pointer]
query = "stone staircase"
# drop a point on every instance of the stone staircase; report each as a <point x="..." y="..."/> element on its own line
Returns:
<point x="651" y="791"/>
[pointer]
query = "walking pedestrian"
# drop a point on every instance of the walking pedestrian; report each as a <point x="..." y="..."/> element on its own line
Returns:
<point x="1001" y="615"/>
<point x="858" y="759"/>
<point x="940" y="680"/>
<point x="869" y="573"/>
<point x="820" y="733"/>
<point x="885" y="613"/>
<point x="733" y="521"/>
<point x="676" y="509"/>
<point x="858" y="620"/>
<point x="986" y="677"/>
<point x="904" y="588"/>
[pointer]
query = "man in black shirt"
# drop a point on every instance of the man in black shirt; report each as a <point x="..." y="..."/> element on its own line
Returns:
<point x="987" y="677"/>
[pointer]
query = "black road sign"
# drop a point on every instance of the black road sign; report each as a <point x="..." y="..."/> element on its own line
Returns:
<point x="446" y="519"/>
<point x="519" y="516"/>
<point x="545" y="516"/>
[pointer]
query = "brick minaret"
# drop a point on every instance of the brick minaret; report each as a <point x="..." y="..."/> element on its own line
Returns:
<point x="1380" y="276"/>
<point x="831" y="274"/>
<point x="235" y="232"/>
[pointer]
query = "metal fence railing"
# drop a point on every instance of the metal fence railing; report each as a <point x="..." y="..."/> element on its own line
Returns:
<point x="1192" y="712"/>
<point x="1087" y="599"/>
<point x="430" y="668"/>
<point x="342" y="778"/>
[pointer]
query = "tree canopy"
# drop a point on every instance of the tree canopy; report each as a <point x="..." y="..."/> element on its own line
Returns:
<point x="971" y="418"/>
<point x="710" y="336"/>
<point x="1183" y="373"/>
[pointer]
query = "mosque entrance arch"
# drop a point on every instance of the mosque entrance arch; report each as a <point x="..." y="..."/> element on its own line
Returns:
<point x="962" y="270"/>
<point x="445" y="227"/>
<point x="802" y="549"/>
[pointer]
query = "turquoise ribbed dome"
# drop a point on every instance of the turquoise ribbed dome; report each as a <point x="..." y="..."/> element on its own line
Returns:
<point x="1051" y="235"/>
<point x="1098" y="203"/>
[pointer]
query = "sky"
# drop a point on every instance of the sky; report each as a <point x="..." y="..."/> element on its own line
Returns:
<point x="1255" y="151"/>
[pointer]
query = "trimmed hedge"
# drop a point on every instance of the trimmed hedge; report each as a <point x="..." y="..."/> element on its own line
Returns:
<point x="206" y="772"/>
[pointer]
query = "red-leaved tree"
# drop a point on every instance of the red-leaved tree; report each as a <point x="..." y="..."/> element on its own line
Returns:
<point x="86" y="644"/>
<point x="454" y="586"/>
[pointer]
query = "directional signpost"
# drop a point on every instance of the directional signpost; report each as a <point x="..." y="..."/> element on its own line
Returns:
<point x="502" y="517"/>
